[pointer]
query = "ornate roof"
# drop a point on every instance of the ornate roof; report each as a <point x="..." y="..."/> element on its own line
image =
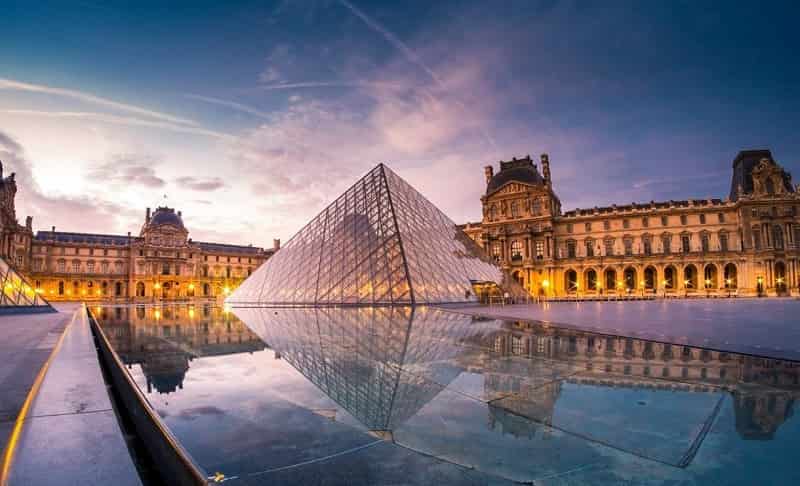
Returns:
<point x="164" y="215"/>
<point x="517" y="170"/>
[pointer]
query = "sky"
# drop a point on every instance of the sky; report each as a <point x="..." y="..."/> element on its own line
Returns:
<point x="250" y="117"/>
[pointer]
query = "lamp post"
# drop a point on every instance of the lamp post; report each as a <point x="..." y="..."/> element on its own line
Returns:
<point x="728" y="286"/>
<point x="545" y="285"/>
<point x="760" y="286"/>
<point x="708" y="287"/>
<point x="686" y="288"/>
<point x="641" y="285"/>
<point x="664" y="286"/>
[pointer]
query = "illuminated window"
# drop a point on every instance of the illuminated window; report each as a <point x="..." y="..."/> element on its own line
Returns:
<point x="516" y="250"/>
<point x="540" y="249"/>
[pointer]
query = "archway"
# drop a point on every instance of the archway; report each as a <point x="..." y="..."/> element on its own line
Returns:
<point x="206" y="290"/>
<point x="518" y="277"/>
<point x="571" y="281"/>
<point x="591" y="279"/>
<point x="690" y="277"/>
<point x="139" y="289"/>
<point x="611" y="279"/>
<point x="710" y="276"/>
<point x="650" y="278"/>
<point x="670" y="278"/>
<point x="629" y="277"/>
<point x="730" y="276"/>
<point x="118" y="289"/>
<point x="780" y="277"/>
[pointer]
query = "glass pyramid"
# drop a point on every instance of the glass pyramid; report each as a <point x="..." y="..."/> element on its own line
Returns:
<point x="16" y="292"/>
<point x="379" y="243"/>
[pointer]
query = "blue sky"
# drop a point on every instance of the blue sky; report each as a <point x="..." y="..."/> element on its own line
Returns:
<point x="251" y="116"/>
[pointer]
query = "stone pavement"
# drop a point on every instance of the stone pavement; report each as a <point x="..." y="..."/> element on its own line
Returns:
<point x="26" y="341"/>
<point x="71" y="434"/>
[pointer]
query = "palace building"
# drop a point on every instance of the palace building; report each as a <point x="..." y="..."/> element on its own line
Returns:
<point x="160" y="263"/>
<point x="745" y="244"/>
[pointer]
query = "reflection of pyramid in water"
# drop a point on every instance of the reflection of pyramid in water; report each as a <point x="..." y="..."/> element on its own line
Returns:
<point x="381" y="364"/>
<point x="381" y="242"/>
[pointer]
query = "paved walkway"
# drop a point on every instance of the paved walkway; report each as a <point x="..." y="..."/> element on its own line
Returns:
<point x="763" y="327"/>
<point x="71" y="434"/>
<point x="26" y="341"/>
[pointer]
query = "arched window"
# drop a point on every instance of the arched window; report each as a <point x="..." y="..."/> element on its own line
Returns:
<point x="492" y="212"/>
<point x="140" y="289"/>
<point x="650" y="278"/>
<point x="496" y="251"/>
<point x="611" y="279"/>
<point x="780" y="277"/>
<point x="206" y="289"/>
<point x="730" y="276"/>
<point x="516" y="250"/>
<point x="118" y="289"/>
<point x="571" y="281"/>
<point x="61" y="287"/>
<point x="690" y="277"/>
<point x="589" y="247"/>
<point x="630" y="278"/>
<point x="669" y="278"/>
<point x="591" y="279"/>
<point x="710" y="276"/>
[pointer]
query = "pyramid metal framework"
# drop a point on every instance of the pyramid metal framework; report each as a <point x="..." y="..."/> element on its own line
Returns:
<point x="16" y="292"/>
<point x="379" y="243"/>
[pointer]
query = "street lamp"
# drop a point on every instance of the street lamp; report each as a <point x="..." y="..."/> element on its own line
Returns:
<point x="760" y="281"/>
<point x="545" y="285"/>
<point x="641" y="284"/>
<point x="728" y="285"/>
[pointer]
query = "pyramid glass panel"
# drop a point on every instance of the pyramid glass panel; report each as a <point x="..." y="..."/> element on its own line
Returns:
<point x="379" y="243"/>
<point x="16" y="292"/>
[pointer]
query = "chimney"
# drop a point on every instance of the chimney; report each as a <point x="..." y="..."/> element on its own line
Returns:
<point x="546" y="168"/>
<point x="276" y="244"/>
<point x="29" y="222"/>
<point x="53" y="229"/>
<point x="147" y="216"/>
<point x="179" y="214"/>
<point x="488" y="171"/>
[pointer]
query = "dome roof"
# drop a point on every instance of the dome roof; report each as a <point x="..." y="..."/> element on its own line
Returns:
<point x="165" y="215"/>
<point x="521" y="170"/>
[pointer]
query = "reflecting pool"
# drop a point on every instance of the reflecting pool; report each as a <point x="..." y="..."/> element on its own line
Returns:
<point x="423" y="396"/>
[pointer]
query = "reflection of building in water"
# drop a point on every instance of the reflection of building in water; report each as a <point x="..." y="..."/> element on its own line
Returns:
<point x="381" y="364"/>
<point x="165" y="339"/>
<point x="764" y="390"/>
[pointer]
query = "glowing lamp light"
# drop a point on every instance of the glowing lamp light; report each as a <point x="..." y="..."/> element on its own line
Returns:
<point x="545" y="283"/>
<point x="157" y="314"/>
<point x="708" y="281"/>
<point x="619" y="283"/>
<point x="98" y="292"/>
<point x="83" y="292"/>
<point x="226" y="290"/>
<point x="156" y="285"/>
<point x="779" y="280"/>
<point x="760" y="279"/>
<point x="641" y="283"/>
<point x="40" y="291"/>
<point x="191" y="313"/>
<point x="191" y="286"/>
<point x="728" y="281"/>
<point x="664" y="283"/>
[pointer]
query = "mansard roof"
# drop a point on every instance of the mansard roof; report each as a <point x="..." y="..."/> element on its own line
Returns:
<point x="743" y="166"/>
<point x="223" y="247"/>
<point x="685" y="203"/>
<point x="86" y="238"/>
<point x="517" y="170"/>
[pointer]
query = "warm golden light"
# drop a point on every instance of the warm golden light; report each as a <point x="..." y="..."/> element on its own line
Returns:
<point x="191" y="286"/>
<point x="728" y="281"/>
<point x="779" y="280"/>
<point x="191" y="313"/>
<point x="226" y="290"/>
<point x="156" y="285"/>
<point x="545" y="283"/>
<point x="157" y="314"/>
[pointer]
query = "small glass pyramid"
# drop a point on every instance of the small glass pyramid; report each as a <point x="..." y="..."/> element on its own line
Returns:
<point x="379" y="243"/>
<point x="16" y="292"/>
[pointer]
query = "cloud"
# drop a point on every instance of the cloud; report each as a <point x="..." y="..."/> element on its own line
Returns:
<point x="230" y="104"/>
<point x="129" y="170"/>
<point x="96" y="215"/>
<point x="121" y="120"/>
<point x="200" y="184"/>
<point x="9" y="84"/>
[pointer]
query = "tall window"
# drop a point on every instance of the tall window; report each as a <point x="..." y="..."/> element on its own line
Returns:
<point x="516" y="250"/>
<point x="569" y="227"/>
<point x="628" y="246"/>
<point x="684" y="219"/>
<point x="645" y="222"/>
<point x="536" y="207"/>
<point x="165" y="269"/>
<point x="686" y="243"/>
<point x="609" y="247"/>
<point x="757" y="239"/>
<point x="62" y="266"/>
<point x="589" y="248"/>
<point x="702" y="218"/>
<point x="606" y="225"/>
<point x="797" y="236"/>
<point x="76" y="267"/>
<point x="496" y="251"/>
<point x="571" y="249"/>
<point x="723" y="242"/>
<point x="704" y="242"/>
<point x="90" y="267"/>
<point x="777" y="237"/>
<point x="540" y="249"/>
<point x="514" y="209"/>
<point x="626" y="223"/>
<point x="647" y="247"/>
<point x="666" y="244"/>
<point x="664" y="220"/>
<point x="588" y="227"/>
<point x="721" y="217"/>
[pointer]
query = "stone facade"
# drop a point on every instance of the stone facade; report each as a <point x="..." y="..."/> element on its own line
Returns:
<point x="160" y="263"/>
<point x="746" y="244"/>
